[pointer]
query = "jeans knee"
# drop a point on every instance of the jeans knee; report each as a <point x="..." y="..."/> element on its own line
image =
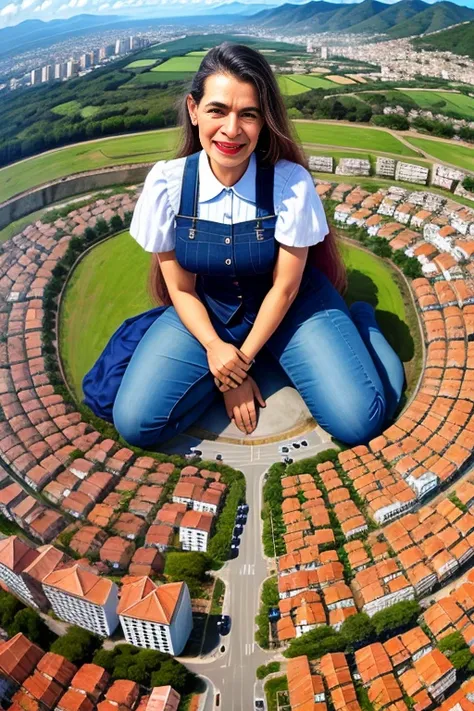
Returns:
<point x="133" y="426"/>
<point x="358" y="422"/>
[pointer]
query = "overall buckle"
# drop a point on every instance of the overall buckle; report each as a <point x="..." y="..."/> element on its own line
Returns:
<point x="259" y="231"/>
<point x="192" y="231"/>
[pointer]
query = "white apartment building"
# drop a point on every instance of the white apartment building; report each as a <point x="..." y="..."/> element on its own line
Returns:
<point x="22" y="569"/>
<point x="194" y="531"/>
<point x="156" y="617"/>
<point x="82" y="598"/>
<point x="423" y="484"/>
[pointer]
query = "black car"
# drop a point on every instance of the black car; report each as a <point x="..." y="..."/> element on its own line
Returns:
<point x="223" y="625"/>
<point x="243" y="509"/>
<point x="274" y="614"/>
<point x="196" y="452"/>
<point x="219" y="457"/>
<point x="259" y="704"/>
<point x="241" y="519"/>
<point x="238" y="529"/>
<point x="235" y="541"/>
<point x="295" y="445"/>
<point x="303" y="443"/>
<point x="234" y="552"/>
<point x="288" y="460"/>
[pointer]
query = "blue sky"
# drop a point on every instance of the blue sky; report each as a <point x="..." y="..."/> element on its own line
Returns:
<point x="14" y="11"/>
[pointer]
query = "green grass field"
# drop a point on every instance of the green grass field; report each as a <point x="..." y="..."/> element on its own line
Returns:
<point x="88" y="111"/>
<point x="109" y="286"/>
<point x="197" y="53"/>
<point x="68" y="109"/>
<point x="153" y="77"/>
<point x="449" y="152"/>
<point x="457" y="103"/>
<point x="179" y="64"/>
<point x="138" y="63"/>
<point x="86" y="156"/>
<point x="352" y="137"/>
<point x="288" y="87"/>
<point x="312" y="82"/>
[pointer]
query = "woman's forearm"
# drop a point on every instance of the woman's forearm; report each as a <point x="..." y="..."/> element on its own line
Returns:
<point x="271" y="313"/>
<point x="193" y="314"/>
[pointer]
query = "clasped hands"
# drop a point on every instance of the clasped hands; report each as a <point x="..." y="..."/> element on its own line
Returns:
<point x="229" y="367"/>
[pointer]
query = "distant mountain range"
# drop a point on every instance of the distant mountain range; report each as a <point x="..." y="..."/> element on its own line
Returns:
<point x="459" y="40"/>
<point x="402" y="19"/>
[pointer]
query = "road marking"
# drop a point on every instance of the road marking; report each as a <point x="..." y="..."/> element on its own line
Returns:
<point x="249" y="649"/>
<point x="247" y="569"/>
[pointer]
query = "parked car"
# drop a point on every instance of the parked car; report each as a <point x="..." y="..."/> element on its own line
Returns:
<point x="243" y="509"/>
<point x="303" y="443"/>
<point x="235" y="541"/>
<point x="274" y="614"/>
<point x="234" y="551"/>
<point x="283" y="449"/>
<point x="223" y="625"/>
<point x="295" y="445"/>
<point x="218" y="457"/>
<point x="196" y="451"/>
<point x="259" y="704"/>
<point x="241" y="519"/>
<point x="238" y="530"/>
<point x="288" y="460"/>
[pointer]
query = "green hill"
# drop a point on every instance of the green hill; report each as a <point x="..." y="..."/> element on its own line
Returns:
<point x="459" y="40"/>
<point x="402" y="19"/>
<point x="434" y="18"/>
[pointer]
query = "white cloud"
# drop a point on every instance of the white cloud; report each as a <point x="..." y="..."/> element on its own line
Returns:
<point x="10" y="9"/>
<point x="81" y="3"/>
<point x="104" y="6"/>
<point x="27" y="3"/>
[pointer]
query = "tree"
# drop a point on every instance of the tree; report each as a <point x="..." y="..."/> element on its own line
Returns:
<point x="78" y="645"/>
<point x="401" y="615"/>
<point x="184" y="565"/>
<point x="175" y="674"/>
<point x="116" y="223"/>
<point x="316" y="643"/>
<point x="358" y="630"/>
<point x="32" y="626"/>
<point x="9" y="607"/>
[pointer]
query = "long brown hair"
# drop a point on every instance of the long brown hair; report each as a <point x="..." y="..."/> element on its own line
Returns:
<point x="276" y="141"/>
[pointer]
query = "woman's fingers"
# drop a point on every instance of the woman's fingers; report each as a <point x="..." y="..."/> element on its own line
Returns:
<point x="239" y="419"/>
<point x="252" y="415"/>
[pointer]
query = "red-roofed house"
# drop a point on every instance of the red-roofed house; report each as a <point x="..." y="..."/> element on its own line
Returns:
<point x="155" y="617"/>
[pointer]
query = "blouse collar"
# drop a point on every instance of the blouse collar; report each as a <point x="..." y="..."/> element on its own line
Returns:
<point x="210" y="187"/>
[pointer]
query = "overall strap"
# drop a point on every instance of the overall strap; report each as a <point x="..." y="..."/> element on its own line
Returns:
<point x="264" y="190"/>
<point x="190" y="187"/>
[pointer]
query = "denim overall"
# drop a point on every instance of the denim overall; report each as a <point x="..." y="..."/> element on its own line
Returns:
<point x="234" y="263"/>
<point x="339" y="361"/>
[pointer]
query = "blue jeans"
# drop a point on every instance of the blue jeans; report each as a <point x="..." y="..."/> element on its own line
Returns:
<point x="339" y="361"/>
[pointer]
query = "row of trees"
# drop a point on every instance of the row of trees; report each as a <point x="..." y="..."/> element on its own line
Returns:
<point x="357" y="631"/>
<point x="148" y="667"/>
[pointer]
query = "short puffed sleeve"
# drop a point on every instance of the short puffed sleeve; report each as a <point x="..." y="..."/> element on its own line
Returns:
<point x="153" y="221"/>
<point x="301" y="220"/>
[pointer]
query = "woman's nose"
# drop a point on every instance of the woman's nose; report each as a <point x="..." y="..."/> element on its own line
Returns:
<point x="231" y="127"/>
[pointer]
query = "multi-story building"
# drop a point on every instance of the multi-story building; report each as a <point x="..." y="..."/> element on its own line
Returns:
<point x="72" y="67"/>
<point x="156" y="617"/>
<point x="46" y="73"/>
<point x="84" y="599"/>
<point x="195" y="530"/>
<point x="22" y="569"/>
<point x="35" y="76"/>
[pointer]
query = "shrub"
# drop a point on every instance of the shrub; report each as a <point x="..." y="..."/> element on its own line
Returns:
<point x="78" y="645"/>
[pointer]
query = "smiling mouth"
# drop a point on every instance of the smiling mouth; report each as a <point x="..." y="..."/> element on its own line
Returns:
<point x="229" y="148"/>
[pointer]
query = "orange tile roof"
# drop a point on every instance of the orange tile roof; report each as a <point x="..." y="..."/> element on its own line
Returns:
<point x="415" y="640"/>
<point x="80" y="583"/>
<point x="57" y="667"/>
<point x="197" y="520"/>
<point x="46" y="691"/>
<point x="432" y="667"/>
<point x="345" y="698"/>
<point x="123" y="692"/>
<point x="91" y="679"/>
<point x="74" y="701"/>
<point x="335" y="670"/>
<point x="372" y="661"/>
<point x="384" y="691"/>
<point x="47" y="560"/>
<point x="18" y="657"/>
<point x="163" y="698"/>
<point x="300" y="685"/>
<point x="286" y="629"/>
<point x="142" y="599"/>
<point x="16" y="554"/>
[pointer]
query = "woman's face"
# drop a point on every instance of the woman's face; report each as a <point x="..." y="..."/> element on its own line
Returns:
<point x="229" y="120"/>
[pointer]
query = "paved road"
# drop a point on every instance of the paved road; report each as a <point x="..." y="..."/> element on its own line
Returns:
<point x="231" y="673"/>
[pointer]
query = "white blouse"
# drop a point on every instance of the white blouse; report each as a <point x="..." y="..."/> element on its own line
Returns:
<point x="301" y="220"/>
